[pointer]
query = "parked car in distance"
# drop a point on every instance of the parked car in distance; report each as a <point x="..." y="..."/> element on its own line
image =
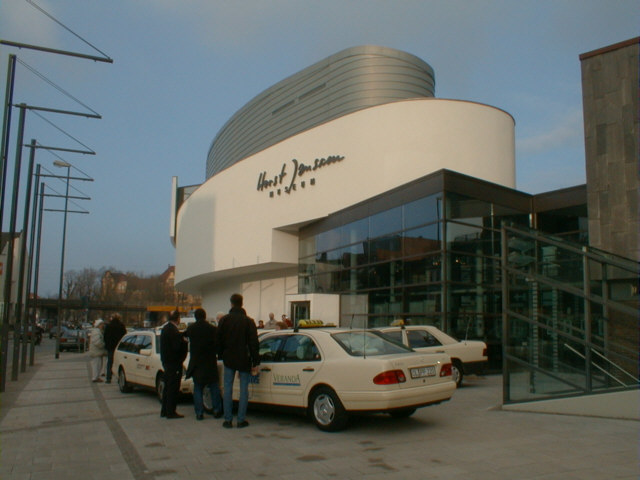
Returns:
<point x="467" y="357"/>
<point x="73" y="339"/>
<point x="332" y="373"/>
<point x="136" y="363"/>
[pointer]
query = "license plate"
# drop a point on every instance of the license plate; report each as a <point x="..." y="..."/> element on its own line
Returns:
<point x="420" y="372"/>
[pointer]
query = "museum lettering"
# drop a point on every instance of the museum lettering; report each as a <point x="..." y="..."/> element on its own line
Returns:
<point x="299" y="169"/>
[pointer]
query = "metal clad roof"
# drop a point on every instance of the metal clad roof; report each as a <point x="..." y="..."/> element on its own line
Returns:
<point x="348" y="81"/>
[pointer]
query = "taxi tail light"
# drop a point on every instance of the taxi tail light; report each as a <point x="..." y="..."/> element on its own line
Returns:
<point x="445" y="371"/>
<point x="390" y="377"/>
<point x="484" y="352"/>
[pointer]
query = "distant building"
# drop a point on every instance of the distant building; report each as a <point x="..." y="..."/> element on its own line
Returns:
<point x="156" y="289"/>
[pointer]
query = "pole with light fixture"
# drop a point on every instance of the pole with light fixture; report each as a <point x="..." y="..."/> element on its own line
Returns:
<point x="62" y="164"/>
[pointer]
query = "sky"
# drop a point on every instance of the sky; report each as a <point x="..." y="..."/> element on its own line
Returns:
<point x="181" y="69"/>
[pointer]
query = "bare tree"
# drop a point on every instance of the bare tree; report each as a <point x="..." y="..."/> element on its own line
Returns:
<point x="83" y="283"/>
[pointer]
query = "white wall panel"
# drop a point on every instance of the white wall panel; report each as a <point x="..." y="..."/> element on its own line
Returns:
<point x="226" y="227"/>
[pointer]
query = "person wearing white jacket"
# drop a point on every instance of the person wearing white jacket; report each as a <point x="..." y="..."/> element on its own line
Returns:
<point x="97" y="350"/>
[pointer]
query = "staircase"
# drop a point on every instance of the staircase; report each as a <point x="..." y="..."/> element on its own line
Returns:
<point x="570" y="323"/>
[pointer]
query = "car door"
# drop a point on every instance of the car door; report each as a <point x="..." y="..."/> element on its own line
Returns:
<point x="127" y="358"/>
<point x="296" y="365"/>
<point x="260" y="386"/>
<point x="145" y="364"/>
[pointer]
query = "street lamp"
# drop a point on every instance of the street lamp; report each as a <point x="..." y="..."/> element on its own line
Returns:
<point x="62" y="164"/>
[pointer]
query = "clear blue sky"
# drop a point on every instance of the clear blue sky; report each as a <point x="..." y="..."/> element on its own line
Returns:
<point x="182" y="68"/>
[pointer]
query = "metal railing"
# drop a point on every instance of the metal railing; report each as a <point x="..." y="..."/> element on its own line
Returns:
<point x="570" y="318"/>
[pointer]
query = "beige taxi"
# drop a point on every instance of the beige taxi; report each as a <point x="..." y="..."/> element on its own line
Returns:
<point x="332" y="373"/>
<point x="136" y="363"/>
<point x="467" y="356"/>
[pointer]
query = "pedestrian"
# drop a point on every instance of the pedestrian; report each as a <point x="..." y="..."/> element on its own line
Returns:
<point x="173" y="351"/>
<point x="271" y="323"/>
<point x="238" y="343"/>
<point x="113" y="332"/>
<point x="97" y="350"/>
<point x="286" y="321"/>
<point x="203" y="365"/>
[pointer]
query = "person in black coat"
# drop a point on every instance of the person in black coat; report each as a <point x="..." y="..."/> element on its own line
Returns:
<point x="238" y="343"/>
<point x="173" y="351"/>
<point x="113" y="332"/>
<point x="203" y="365"/>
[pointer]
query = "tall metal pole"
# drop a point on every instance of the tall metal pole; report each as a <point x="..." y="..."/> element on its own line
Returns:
<point x="4" y="148"/>
<point x="20" y="298"/>
<point x="6" y="127"/>
<point x="38" y="238"/>
<point x="29" y="305"/>
<point x="64" y="238"/>
<point x="12" y="232"/>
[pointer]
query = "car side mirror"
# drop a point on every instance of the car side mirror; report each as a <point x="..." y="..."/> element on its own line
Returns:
<point x="146" y="352"/>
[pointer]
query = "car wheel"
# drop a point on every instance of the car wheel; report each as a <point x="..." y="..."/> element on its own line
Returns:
<point x="327" y="410"/>
<point x="160" y="385"/>
<point x="402" y="412"/>
<point x="456" y="372"/>
<point x="125" y="387"/>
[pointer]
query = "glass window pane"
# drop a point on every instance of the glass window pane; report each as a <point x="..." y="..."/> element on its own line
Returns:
<point x="299" y="348"/>
<point x="307" y="247"/>
<point x="385" y="248"/>
<point x="464" y="233"/>
<point x="385" y="222"/>
<point x="425" y="210"/>
<point x="269" y="348"/>
<point x="364" y="343"/>
<point x="423" y="269"/>
<point x="461" y="207"/>
<point x="423" y="239"/>
<point x="421" y="339"/>
<point x="355" y="232"/>
<point x="328" y="240"/>
<point x="424" y="299"/>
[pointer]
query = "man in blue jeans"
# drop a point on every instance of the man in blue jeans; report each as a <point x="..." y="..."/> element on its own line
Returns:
<point x="238" y="343"/>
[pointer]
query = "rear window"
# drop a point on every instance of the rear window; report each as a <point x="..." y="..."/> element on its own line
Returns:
<point x="367" y="343"/>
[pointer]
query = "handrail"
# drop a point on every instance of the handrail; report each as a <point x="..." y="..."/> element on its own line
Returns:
<point x="635" y="380"/>
<point x="593" y="254"/>
<point x="586" y="282"/>
<point x="597" y="366"/>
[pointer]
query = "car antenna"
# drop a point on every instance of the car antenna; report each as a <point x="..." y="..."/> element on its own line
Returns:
<point x="364" y="338"/>
<point x="351" y="322"/>
<point x="466" y="331"/>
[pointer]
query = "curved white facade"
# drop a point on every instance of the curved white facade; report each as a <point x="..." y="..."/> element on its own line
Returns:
<point x="238" y="230"/>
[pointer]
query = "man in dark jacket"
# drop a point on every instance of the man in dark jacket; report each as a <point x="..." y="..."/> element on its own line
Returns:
<point x="173" y="351"/>
<point x="113" y="332"/>
<point x="238" y="342"/>
<point x="203" y="365"/>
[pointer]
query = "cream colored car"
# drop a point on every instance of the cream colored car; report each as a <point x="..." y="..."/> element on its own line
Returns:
<point x="331" y="373"/>
<point x="136" y="363"/>
<point x="467" y="357"/>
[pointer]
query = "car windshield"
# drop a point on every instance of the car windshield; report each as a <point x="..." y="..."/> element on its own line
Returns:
<point x="361" y="343"/>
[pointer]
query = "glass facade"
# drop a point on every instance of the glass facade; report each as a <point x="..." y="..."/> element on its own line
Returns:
<point x="430" y="260"/>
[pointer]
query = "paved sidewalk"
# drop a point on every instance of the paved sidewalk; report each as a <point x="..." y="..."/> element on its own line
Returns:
<point x="56" y="424"/>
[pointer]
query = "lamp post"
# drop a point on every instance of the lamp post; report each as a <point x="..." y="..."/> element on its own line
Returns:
<point x="62" y="164"/>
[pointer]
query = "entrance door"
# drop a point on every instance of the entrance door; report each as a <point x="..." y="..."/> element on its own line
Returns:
<point x="300" y="311"/>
